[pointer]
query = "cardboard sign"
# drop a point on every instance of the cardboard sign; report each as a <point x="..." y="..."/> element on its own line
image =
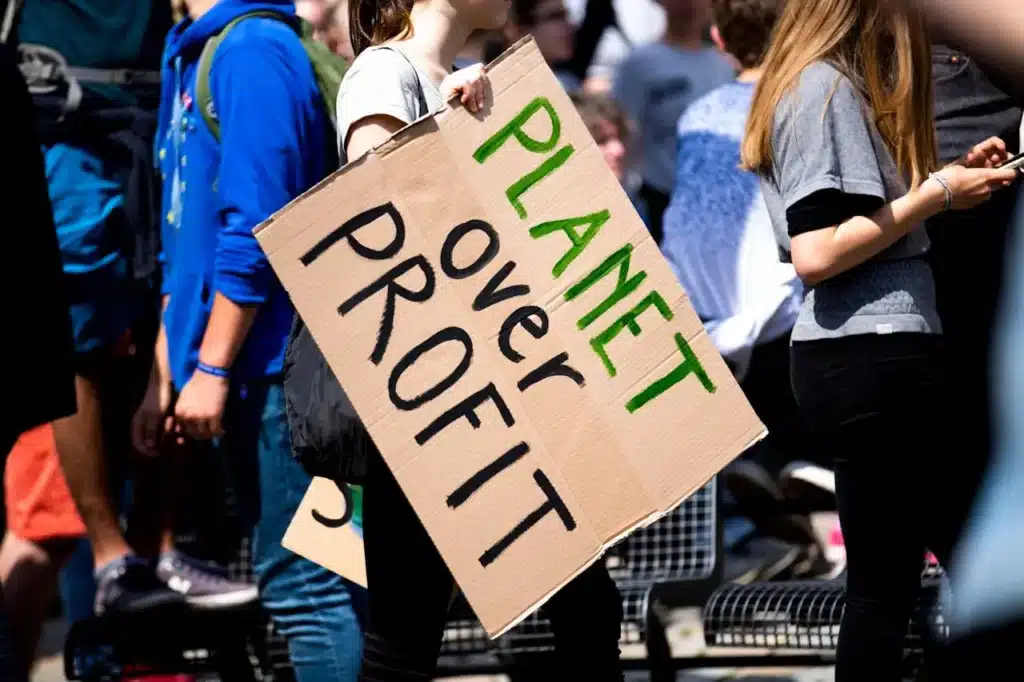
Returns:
<point x="512" y="338"/>
<point x="328" y="529"/>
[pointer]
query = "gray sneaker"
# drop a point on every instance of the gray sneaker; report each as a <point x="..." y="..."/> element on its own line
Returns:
<point x="204" y="586"/>
<point x="128" y="586"/>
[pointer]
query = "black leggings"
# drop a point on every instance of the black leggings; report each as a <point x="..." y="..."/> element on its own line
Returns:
<point x="879" y="406"/>
<point x="411" y="589"/>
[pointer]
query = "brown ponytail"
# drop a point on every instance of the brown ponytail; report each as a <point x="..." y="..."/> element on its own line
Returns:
<point x="372" y="22"/>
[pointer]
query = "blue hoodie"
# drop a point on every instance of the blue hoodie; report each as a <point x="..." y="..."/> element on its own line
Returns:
<point x="273" y="126"/>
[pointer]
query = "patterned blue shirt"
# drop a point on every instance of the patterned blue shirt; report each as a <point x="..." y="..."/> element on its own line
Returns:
<point x="718" y="236"/>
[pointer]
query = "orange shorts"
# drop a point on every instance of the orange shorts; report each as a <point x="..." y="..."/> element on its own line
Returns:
<point x="39" y="504"/>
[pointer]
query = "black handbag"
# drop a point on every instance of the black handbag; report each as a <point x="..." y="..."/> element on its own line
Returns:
<point x="328" y="438"/>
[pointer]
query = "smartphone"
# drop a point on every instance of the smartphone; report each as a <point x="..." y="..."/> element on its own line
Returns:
<point x="1015" y="162"/>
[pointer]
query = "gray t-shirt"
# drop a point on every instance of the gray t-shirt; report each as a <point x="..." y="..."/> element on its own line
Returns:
<point x="655" y="85"/>
<point x="382" y="81"/>
<point x="824" y="138"/>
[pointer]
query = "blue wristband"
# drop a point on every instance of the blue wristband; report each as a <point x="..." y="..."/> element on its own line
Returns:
<point x="219" y="372"/>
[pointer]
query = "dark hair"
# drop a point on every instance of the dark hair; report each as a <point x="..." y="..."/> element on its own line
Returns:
<point x="372" y="22"/>
<point x="523" y="11"/>
<point x="595" y="109"/>
<point x="746" y="27"/>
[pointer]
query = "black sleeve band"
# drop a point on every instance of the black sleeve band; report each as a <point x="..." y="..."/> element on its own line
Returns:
<point x="828" y="208"/>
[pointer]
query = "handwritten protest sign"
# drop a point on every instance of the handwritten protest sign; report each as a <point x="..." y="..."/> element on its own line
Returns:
<point x="511" y="337"/>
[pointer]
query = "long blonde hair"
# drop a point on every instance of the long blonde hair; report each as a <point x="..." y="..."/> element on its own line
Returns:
<point x="885" y="54"/>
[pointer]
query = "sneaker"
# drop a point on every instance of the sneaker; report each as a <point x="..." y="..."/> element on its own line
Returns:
<point x="809" y="485"/>
<point x="203" y="585"/>
<point x="760" y="499"/>
<point x="128" y="586"/>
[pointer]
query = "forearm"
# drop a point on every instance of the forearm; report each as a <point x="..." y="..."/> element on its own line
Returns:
<point x="226" y="331"/>
<point x="161" y="359"/>
<point x="823" y="254"/>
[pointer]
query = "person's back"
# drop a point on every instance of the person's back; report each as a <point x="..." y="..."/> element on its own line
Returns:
<point x="656" y="84"/>
<point x="718" y="236"/>
<point x="719" y="241"/>
<point x="892" y="291"/>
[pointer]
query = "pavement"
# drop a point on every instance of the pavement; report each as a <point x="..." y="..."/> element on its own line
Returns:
<point x="684" y="634"/>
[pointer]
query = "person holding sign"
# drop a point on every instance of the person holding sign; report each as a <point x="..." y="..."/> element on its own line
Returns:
<point x="841" y="133"/>
<point x="401" y="73"/>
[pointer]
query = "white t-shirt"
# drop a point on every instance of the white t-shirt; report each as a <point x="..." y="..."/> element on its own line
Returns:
<point x="382" y="81"/>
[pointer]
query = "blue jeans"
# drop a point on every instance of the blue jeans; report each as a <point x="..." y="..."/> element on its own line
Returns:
<point x="317" y="611"/>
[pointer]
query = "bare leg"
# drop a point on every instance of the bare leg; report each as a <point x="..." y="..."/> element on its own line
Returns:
<point x="151" y="520"/>
<point x="28" y="573"/>
<point x="81" y="448"/>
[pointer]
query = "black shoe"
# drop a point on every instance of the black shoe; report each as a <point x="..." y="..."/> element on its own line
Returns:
<point x="129" y="586"/>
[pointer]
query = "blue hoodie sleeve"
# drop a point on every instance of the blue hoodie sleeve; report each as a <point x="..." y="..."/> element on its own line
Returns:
<point x="165" y="273"/>
<point x="261" y="83"/>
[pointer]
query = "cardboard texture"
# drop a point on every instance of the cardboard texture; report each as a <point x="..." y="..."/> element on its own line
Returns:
<point x="328" y="529"/>
<point x="508" y="331"/>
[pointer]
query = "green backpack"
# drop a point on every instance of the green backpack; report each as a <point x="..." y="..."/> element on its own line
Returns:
<point x="328" y="67"/>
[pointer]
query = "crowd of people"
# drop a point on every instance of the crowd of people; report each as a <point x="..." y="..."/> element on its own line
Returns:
<point x="821" y="175"/>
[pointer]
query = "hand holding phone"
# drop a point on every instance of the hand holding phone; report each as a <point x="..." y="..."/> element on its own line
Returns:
<point x="1015" y="162"/>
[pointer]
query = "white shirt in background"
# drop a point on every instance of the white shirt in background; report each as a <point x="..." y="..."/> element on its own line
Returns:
<point x="642" y="22"/>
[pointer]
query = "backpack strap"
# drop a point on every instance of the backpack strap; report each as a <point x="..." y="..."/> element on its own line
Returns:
<point x="204" y="95"/>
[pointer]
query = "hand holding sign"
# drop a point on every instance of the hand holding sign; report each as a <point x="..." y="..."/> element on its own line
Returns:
<point x="470" y="83"/>
<point x="511" y="337"/>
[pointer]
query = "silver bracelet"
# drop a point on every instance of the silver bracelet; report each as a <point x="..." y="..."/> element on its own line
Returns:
<point x="945" y="187"/>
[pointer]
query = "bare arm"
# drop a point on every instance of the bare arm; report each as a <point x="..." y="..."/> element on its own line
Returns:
<point x="822" y="254"/>
<point x="370" y="132"/>
<point x="226" y="330"/>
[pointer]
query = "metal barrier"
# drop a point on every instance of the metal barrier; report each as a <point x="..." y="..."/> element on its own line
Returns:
<point x="681" y="547"/>
<point x="805" y="616"/>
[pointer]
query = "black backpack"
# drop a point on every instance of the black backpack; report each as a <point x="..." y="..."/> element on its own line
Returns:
<point x="328" y="438"/>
